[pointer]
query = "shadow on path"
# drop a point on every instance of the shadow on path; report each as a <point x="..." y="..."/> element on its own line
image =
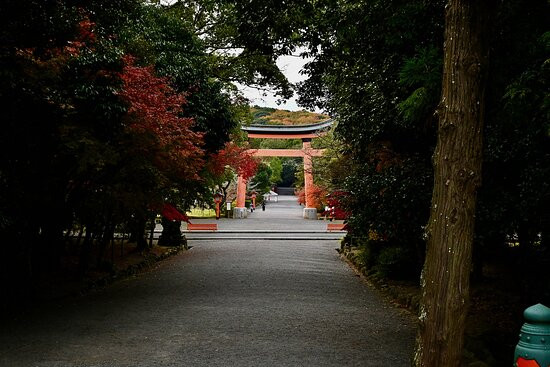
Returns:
<point x="223" y="303"/>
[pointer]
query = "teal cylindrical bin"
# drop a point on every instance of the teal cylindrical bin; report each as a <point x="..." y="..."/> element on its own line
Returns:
<point x="533" y="349"/>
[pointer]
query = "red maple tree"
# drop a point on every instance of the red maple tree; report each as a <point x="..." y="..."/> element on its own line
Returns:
<point x="235" y="157"/>
<point x="154" y="109"/>
<point x="85" y="37"/>
<point x="335" y="200"/>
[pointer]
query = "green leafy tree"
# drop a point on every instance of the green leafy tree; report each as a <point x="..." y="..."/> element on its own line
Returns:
<point x="261" y="182"/>
<point x="161" y="37"/>
<point x="244" y="38"/>
<point x="377" y="71"/>
<point x="276" y="166"/>
<point x="288" y="173"/>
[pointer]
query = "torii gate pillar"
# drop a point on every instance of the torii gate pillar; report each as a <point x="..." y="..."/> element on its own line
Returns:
<point x="240" y="211"/>
<point x="310" y="212"/>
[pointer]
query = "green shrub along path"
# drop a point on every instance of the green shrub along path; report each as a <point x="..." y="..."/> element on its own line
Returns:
<point x="225" y="302"/>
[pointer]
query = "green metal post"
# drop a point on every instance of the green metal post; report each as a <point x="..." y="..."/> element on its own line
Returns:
<point x="533" y="349"/>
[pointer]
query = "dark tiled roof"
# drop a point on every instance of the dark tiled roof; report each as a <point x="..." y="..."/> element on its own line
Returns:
<point x="288" y="129"/>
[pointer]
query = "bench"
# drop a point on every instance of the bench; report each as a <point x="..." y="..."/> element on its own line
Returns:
<point x="336" y="227"/>
<point x="202" y="226"/>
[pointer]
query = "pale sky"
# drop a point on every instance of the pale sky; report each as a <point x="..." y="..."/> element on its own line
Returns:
<point x="290" y="66"/>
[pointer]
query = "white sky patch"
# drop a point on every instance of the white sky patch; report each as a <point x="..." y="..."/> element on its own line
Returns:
<point x="290" y="66"/>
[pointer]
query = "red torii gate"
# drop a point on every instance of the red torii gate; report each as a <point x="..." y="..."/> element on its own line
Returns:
<point x="304" y="132"/>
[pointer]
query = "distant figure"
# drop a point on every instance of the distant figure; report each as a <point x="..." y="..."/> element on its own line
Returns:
<point x="263" y="207"/>
<point x="327" y="211"/>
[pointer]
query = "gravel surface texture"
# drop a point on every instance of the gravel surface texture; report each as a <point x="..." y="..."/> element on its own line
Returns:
<point x="223" y="303"/>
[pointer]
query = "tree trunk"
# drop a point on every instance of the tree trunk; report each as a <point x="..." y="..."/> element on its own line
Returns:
<point x="85" y="252"/>
<point x="171" y="233"/>
<point x="139" y="231"/>
<point x="106" y="237"/>
<point x="457" y="176"/>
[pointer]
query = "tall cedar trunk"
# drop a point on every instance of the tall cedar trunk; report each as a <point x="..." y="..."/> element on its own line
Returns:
<point x="457" y="176"/>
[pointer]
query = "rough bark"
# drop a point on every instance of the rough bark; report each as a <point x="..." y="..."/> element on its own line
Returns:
<point x="457" y="176"/>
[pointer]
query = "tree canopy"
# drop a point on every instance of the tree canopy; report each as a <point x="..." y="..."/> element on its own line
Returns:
<point x="109" y="110"/>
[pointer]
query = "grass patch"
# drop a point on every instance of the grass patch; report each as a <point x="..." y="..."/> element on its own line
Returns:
<point x="201" y="213"/>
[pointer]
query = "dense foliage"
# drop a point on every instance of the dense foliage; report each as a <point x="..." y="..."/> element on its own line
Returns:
<point x="110" y="111"/>
<point x="377" y="70"/>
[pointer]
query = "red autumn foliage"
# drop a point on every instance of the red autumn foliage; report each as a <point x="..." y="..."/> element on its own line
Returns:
<point x="153" y="110"/>
<point x="334" y="200"/>
<point x="86" y="36"/>
<point x="317" y="194"/>
<point x="86" y="30"/>
<point x="236" y="157"/>
<point x="301" y="194"/>
<point x="52" y="60"/>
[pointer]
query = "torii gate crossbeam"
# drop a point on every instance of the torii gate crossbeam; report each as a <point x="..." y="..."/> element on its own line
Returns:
<point x="286" y="152"/>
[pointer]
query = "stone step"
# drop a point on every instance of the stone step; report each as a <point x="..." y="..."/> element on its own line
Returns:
<point x="302" y="238"/>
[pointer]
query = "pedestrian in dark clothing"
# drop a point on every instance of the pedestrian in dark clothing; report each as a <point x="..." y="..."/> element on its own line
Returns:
<point x="263" y="207"/>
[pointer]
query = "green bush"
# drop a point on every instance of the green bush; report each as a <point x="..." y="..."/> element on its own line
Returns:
<point x="396" y="262"/>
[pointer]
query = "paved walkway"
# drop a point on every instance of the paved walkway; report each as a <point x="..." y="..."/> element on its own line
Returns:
<point x="284" y="215"/>
<point x="281" y="220"/>
<point x="223" y="303"/>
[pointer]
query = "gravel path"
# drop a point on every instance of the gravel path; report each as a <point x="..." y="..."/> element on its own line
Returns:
<point x="223" y="303"/>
